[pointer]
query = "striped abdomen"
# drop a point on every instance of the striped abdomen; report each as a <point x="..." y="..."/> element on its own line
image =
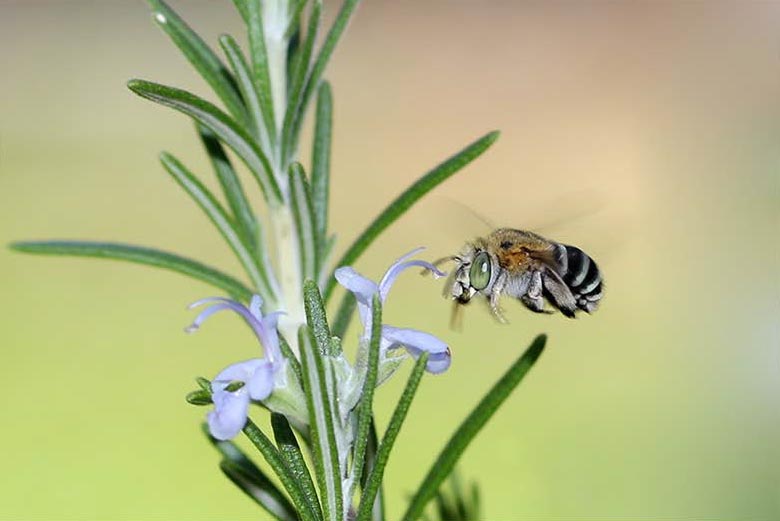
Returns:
<point x="581" y="275"/>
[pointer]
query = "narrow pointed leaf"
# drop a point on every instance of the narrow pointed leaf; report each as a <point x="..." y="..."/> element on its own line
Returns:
<point x="203" y="383"/>
<point x="231" y="187"/>
<point x="344" y="314"/>
<point x="283" y="472"/>
<point x="249" y="478"/>
<point x="303" y="215"/>
<point x="301" y="63"/>
<point x="295" y="16"/>
<point x="388" y="440"/>
<point x="201" y="57"/>
<point x="316" y="317"/>
<point x="326" y="460"/>
<point x="365" y="407"/>
<point x="242" y="9"/>
<point x="199" y="397"/>
<point x="462" y="437"/>
<point x="325" y="258"/>
<point x="320" y="171"/>
<point x="226" y="129"/>
<point x="378" y="512"/>
<point x="410" y="196"/>
<point x="291" y="357"/>
<point x="291" y="452"/>
<point x="140" y="255"/>
<point x="323" y="57"/>
<point x="246" y="84"/>
<point x="260" y="72"/>
<point x="211" y="207"/>
<point x="263" y="492"/>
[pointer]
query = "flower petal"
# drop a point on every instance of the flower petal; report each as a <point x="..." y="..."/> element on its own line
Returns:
<point x="241" y="371"/>
<point x="362" y="287"/>
<point x="264" y="327"/>
<point x="223" y="304"/>
<point x="261" y="384"/>
<point x="256" y="307"/>
<point x="399" y="266"/>
<point x="229" y="414"/>
<point x="269" y="336"/>
<point x="417" y="342"/>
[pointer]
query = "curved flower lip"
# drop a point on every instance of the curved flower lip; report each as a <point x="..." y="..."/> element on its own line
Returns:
<point x="229" y="414"/>
<point x="264" y="327"/>
<point x="416" y="342"/>
<point x="231" y="408"/>
<point x="365" y="288"/>
<point x="256" y="373"/>
<point x="400" y="265"/>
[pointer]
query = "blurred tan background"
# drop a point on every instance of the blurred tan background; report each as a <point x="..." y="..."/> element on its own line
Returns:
<point x="645" y="133"/>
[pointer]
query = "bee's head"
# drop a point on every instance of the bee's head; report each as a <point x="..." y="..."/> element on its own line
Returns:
<point x="473" y="275"/>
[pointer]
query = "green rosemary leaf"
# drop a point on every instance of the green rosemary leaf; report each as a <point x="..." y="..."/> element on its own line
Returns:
<point x="365" y="407"/>
<point x="410" y="196"/>
<point x="295" y="16"/>
<point x="242" y="9"/>
<point x="344" y="314"/>
<point x="475" y="502"/>
<point x="323" y="57"/>
<point x="325" y="258"/>
<point x="201" y="57"/>
<point x="320" y="163"/>
<point x="378" y="511"/>
<point x="203" y="383"/>
<point x="231" y="187"/>
<point x="291" y="452"/>
<point x="249" y="478"/>
<point x="316" y="317"/>
<point x="300" y="70"/>
<point x="290" y="356"/>
<point x="473" y="423"/>
<point x="276" y="461"/>
<point x="303" y="215"/>
<point x="260" y="71"/>
<point x="446" y="511"/>
<point x="199" y="397"/>
<point x="396" y="421"/>
<point x="247" y="86"/>
<point x="320" y="404"/>
<point x="255" y="269"/>
<point x="226" y="129"/>
<point x="264" y="492"/>
<point x="139" y="255"/>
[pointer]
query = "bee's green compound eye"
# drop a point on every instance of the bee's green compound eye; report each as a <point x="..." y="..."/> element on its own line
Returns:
<point x="479" y="274"/>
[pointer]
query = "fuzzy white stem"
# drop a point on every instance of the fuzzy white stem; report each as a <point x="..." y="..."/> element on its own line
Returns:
<point x="275" y="20"/>
<point x="288" y="265"/>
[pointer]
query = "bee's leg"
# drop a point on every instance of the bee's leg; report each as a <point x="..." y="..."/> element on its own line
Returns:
<point x="495" y="296"/>
<point x="533" y="297"/>
<point x="559" y="293"/>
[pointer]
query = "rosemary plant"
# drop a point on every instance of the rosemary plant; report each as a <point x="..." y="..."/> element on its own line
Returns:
<point x="321" y="404"/>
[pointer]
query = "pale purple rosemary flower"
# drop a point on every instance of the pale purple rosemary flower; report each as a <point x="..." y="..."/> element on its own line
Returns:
<point x="415" y="342"/>
<point x="257" y="375"/>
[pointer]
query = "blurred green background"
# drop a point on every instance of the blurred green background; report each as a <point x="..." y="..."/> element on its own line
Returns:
<point x="646" y="133"/>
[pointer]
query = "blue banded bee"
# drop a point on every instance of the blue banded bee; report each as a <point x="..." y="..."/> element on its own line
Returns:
<point x="528" y="267"/>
